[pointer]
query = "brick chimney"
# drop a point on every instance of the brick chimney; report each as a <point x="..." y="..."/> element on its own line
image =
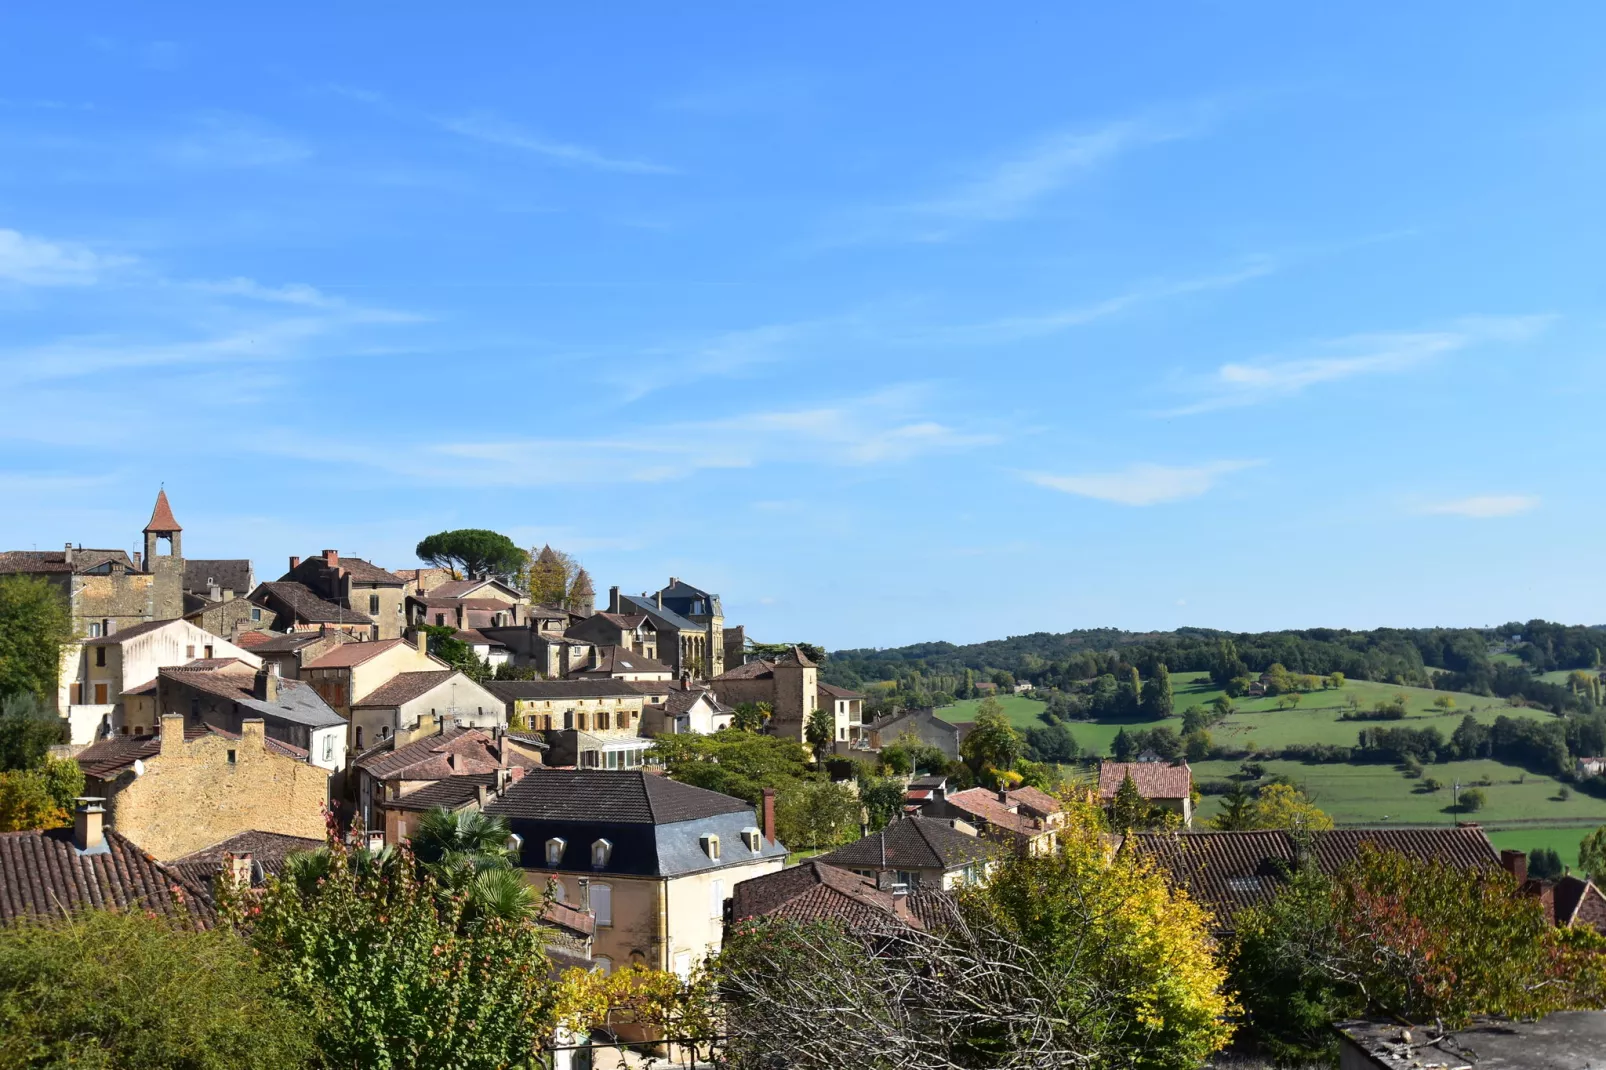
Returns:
<point x="295" y="563"/>
<point x="89" y="823"/>
<point x="331" y="559"/>
<point x="266" y="685"/>
<point x="1516" y="864"/>
<point x="769" y="815"/>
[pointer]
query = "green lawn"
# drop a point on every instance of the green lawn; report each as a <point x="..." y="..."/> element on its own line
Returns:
<point x="1022" y="711"/>
<point x="1380" y="794"/>
<point x="1564" y="841"/>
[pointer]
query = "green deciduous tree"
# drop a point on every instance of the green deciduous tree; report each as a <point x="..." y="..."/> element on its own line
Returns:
<point x="1592" y="855"/>
<point x="737" y="763"/>
<point x="128" y="991"/>
<point x="1471" y="800"/>
<point x="1157" y="698"/>
<point x="473" y="552"/>
<point x="993" y="744"/>
<point x="34" y="623"/>
<point x="816" y="813"/>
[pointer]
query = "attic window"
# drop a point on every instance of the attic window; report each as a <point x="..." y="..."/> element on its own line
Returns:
<point x="753" y="838"/>
<point x="554" y="852"/>
<point x="710" y="844"/>
<point x="231" y="757"/>
<point x="601" y="851"/>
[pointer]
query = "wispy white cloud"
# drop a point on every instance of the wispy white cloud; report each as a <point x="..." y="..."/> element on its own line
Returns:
<point x="883" y="428"/>
<point x="29" y="261"/>
<point x="497" y="131"/>
<point x="1234" y="384"/>
<point x="1017" y="328"/>
<point x="303" y="296"/>
<point x="1143" y="484"/>
<point x="1016" y="184"/>
<point x="724" y="353"/>
<point x="1484" y="506"/>
<point x="227" y="140"/>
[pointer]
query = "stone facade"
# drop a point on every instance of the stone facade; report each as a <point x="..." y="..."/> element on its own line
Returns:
<point x="790" y="684"/>
<point x="357" y="585"/>
<point x="195" y="793"/>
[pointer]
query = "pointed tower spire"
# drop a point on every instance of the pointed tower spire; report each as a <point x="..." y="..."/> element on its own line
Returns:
<point x="162" y="516"/>
<point x="582" y="595"/>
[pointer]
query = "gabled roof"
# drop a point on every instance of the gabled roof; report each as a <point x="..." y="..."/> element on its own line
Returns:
<point x="37" y="561"/>
<point x="818" y="891"/>
<point x="290" y="642"/>
<point x="429" y="758"/>
<point x="306" y="604"/>
<point x="297" y="702"/>
<point x="1580" y="902"/>
<point x="1228" y="872"/>
<point x="455" y="589"/>
<point x="231" y="574"/>
<point x="453" y="792"/>
<point x="1004" y="814"/>
<point x="1154" y="780"/>
<point x="404" y="687"/>
<point x="162" y="516"/>
<point x="267" y="850"/>
<point x="253" y="639"/>
<point x="43" y="875"/>
<point x="757" y="669"/>
<point x="913" y="843"/>
<point x="367" y="572"/>
<point x="618" y="659"/>
<point x="662" y="616"/>
<point x="349" y="654"/>
<point x="838" y="692"/>
<point x="611" y="797"/>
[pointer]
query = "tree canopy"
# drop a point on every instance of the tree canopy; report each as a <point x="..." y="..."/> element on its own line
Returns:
<point x="474" y="552"/>
<point x="34" y="623"/>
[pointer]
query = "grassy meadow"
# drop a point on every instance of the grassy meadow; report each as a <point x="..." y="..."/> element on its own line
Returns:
<point x="1522" y="809"/>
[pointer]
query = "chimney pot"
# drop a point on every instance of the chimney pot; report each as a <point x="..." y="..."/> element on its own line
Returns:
<point x="89" y="823"/>
<point x="67" y="554"/>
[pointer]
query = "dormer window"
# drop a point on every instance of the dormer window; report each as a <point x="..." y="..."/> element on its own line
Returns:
<point x="601" y="852"/>
<point x="710" y="843"/>
<point x="515" y="845"/>
<point x="753" y="839"/>
<point x="554" y="852"/>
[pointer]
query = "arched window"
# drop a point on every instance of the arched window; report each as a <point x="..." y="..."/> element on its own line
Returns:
<point x="554" y="852"/>
<point x="601" y="852"/>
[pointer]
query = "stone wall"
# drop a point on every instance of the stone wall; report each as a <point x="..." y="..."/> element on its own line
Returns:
<point x="197" y="793"/>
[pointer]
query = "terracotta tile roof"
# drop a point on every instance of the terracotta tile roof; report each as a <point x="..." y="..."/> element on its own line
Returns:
<point x="307" y="605"/>
<point x="795" y="658"/>
<point x="818" y="891"/>
<point x="42" y="875"/>
<point x="162" y="515"/>
<point x="838" y="692"/>
<point x="1228" y="872"/>
<point x="1035" y="801"/>
<point x="250" y="640"/>
<point x="610" y="796"/>
<point x="346" y="655"/>
<point x="451" y="792"/>
<point x="430" y="758"/>
<point x="913" y="843"/>
<point x="1003" y="814"/>
<point x="404" y="687"/>
<point x="105" y="758"/>
<point x="1154" y="780"/>
<point x="36" y="561"/>
<point x="267" y="849"/>
<point x="368" y="572"/>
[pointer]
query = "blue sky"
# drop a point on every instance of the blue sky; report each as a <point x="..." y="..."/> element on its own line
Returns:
<point x="890" y="322"/>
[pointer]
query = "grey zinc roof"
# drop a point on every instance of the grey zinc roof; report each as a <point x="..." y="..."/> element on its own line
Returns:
<point x="913" y="843"/>
<point x="297" y="703"/>
<point x="615" y="796"/>
<point x="660" y="617"/>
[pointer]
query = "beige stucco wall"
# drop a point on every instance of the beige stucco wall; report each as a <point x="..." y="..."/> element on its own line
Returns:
<point x="191" y="796"/>
<point x="659" y="918"/>
<point x="531" y="714"/>
<point x="391" y="615"/>
<point x="476" y="708"/>
<point x="340" y="687"/>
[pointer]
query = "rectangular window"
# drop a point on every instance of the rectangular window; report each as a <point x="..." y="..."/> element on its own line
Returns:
<point x="94" y="630"/>
<point x="602" y="903"/>
<point x="208" y="650"/>
<point x="75" y="694"/>
<point x="256" y="613"/>
<point x="373" y="605"/>
<point x="189" y="651"/>
<point x="682" y="962"/>
<point x="329" y="747"/>
<point x="100" y="657"/>
<point x="716" y="898"/>
<point x="602" y="719"/>
<point x="231" y="757"/>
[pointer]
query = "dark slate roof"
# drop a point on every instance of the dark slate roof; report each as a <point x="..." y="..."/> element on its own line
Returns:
<point x="913" y="843"/>
<point x="612" y="659"/>
<point x="307" y="605"/>
<point x="1228" y="872"/>
<point x="1566" y="1040"/>
<point x="613" y="796"/>
<point x="453" y="793"/>
<point x="268" y="850"/>
<point x="367" y="572"/>
<point x="404" y="687"/>
<point x="661" y="617"/>
<point x="818" y="891"/>
<point x="43" y="875"/>
<point x="290" y="642"/>
<point x="231" y="574"/>
<point x="540" y="690"/>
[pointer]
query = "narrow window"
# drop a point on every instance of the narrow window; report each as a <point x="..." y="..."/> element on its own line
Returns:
<point x="189" y="651"/>
<point x="329" y="747"/>
<point x="100" y="657"/>
<point x="440" y="618"/>
<point x="94" y="630"/>
<point x="209" y="650"/>
<point x="602" y="903"/>
<point x="716" y="898"/>
<point x="231" y="757"/>
<point x="373" y="605"/>
<point x="359" y="739"/>
<point x="710" y="845"/>
<point x="554" y="853"/>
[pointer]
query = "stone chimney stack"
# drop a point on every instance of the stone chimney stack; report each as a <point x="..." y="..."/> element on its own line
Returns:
<point x="213" y="591"/>
<point x="482" y="793"/>
<point x="769" y="815"/>
<point x="266" y="685"/>
<point x="613" y="599"/>
<point x="421" y="639"/>
<point x="239" y="869"/>
<point x="67" y="555"/>
<point x="585" y="893"/>
<point x="172" y="735"/>
<point x="253" y="738"/>
<point x="1516" y="864"/>
<point x="89" y="823"/>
